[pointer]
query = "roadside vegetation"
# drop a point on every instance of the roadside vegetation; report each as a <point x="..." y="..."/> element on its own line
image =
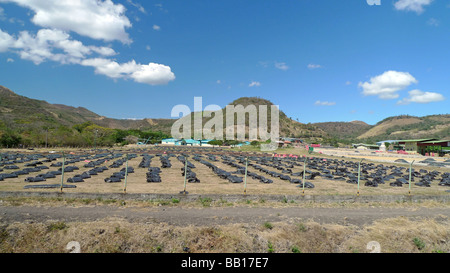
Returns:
<point x="393" y="235"/>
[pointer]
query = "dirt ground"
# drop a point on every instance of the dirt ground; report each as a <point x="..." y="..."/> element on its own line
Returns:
<point x="377" y="156"/>
<point x="212" y="216"/>
<point x="268" y="228"/>
<point x="210" y="183"/>
<point x="343" y="227"/>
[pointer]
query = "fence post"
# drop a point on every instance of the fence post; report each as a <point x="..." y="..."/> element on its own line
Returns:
<point x="245" y="177"/>
<point x="409" y="182"/>
<point x="126" y="176"/>
<point x="185" y="175"/>
<point x="359" y="174"/>
<point x="62" y="171"/>
<point x="304" y="171"/>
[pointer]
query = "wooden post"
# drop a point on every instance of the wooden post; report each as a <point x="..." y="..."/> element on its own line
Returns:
<point x="126" y="177"/>
<point x="410" y="170"/>
<point x="62" y="171"/>
<point x="245" y="177"/>
<point x="185" y="175"/>
<point x="359" y="174"/>
<point x="304" y="172"/>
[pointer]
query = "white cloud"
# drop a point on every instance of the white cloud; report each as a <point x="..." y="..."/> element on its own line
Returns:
<point x="153" y="74"/>
<point x="418" y="96"/>
<point x="97" y="19"/>
<point x="314" y="66"/>
<point x="386" y="85"/>
<point x="9" y="60"/>
<point x="43" y="46"/>
<point x="50" y="44"/>
<point x="148" y="47"/>
<point x="325" y="103"/>
<point x="412" y="5"/>
<point x="433" y="22"/>
<point x="281" y="66"/>
<point x="2" y="14"/>
<point x="102" y="20"/>
<point x="252" y="84"/>
<point x="263" y="64"/>
<point x="6" y="41"/>
<point x="156" y="27"/>
<point x="138" y="6"/>
<point x="105" y="51"/>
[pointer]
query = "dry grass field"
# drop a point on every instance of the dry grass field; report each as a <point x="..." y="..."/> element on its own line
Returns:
<point x="116" y="235"/>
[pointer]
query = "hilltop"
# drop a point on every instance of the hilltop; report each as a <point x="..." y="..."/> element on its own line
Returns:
<point x="392" y="128"/>
<point x="27" y="120"/>
<point x="288" y="127"/>
<point x="19" y="112"/>
<point x="344" y="130"/>
<point x="409" y="127"/>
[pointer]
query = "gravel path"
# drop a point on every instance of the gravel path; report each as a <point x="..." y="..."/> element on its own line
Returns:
<point x="213" y="216"/>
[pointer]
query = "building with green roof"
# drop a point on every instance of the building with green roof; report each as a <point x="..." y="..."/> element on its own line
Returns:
<point x="440" y="147"/>
<point x="411" y="145"/>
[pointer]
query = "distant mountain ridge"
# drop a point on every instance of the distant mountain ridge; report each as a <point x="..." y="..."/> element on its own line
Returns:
<point x="391" y="128"/>
<point x="287" y="126"/>
<point x="344" y="130"/>
<point x="21" y="112"/>
<point x="409" y="127"/>
<point x="25" y="114"/>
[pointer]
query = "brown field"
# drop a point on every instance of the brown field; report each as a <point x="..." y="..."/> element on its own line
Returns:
<point x="47" y="224"/>
<point x="210" y="183"/>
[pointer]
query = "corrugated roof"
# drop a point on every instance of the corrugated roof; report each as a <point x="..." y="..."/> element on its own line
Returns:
<point x="436" y="141"/>
<point x="367" y="145"/>
<point x="417" y="140"/>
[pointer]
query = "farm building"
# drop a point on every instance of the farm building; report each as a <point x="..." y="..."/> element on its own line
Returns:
<point x="440" y="147"/>
<point x="362" y="146"/>
<point x="387" y="141"/>
<point x="411" y="145"/>
<point x="245" y="143"/>
<point x="169" y="141"/>
<point x="393" y="145"/>
<point x="185" y="142"/>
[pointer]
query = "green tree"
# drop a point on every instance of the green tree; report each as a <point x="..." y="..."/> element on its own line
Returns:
<point x="10" y="139"/>
<point x="254" y="143"/>
<point x="216" y="142"/>
<point x="81" y="127"/>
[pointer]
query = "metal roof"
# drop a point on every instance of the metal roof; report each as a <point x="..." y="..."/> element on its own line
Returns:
<point x="363" y="144"/>
<point x="436" y="141"/>
<point x="388" y="141"/>
<point x="417" y="140"/>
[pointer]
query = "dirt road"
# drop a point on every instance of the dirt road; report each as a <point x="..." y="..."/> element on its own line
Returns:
<point x="180" y="216"/>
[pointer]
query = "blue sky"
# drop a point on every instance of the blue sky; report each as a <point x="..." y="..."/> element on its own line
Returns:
<point x="319" y="60"/>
